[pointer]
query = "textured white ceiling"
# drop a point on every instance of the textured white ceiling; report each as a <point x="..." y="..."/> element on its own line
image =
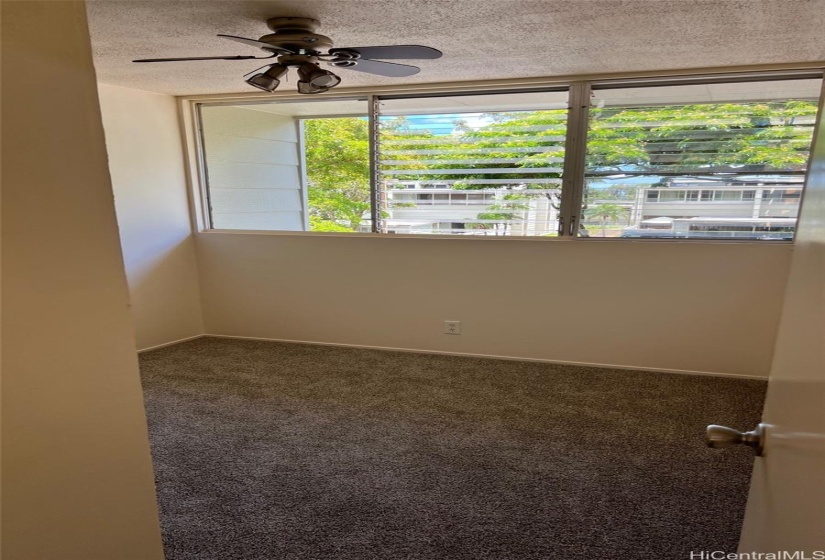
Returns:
<point x="481" y="39"/>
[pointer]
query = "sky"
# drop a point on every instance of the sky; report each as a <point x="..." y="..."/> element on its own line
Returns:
<point x="445" y="123"/>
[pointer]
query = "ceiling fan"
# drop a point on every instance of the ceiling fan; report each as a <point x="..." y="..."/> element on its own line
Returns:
<point x="294" y="43"/>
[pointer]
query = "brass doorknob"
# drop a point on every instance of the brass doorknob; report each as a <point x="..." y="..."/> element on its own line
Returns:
<point x="722" y="436"/>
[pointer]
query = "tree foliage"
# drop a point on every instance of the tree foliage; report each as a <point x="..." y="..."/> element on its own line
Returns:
<point x="337" y="168"/>
<point x="693" y="139"/>
<point x="524" y="139"/>
<point x="606" y="213"/>
<point x="701" y="138"/>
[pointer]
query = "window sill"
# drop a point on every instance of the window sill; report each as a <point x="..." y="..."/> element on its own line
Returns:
<point x="477" y="238"/>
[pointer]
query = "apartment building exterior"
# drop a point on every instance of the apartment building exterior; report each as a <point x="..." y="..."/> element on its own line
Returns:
<point x="744" y="206"/>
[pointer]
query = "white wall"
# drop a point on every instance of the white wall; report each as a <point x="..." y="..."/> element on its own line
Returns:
<point x="706" y="307"/>
<point x="76" y="470"/>
<point x="253" y="164"/>
<point x="146" y="165"/>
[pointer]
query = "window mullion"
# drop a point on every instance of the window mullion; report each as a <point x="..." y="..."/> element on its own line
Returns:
<point x="302" y="165"/>
<point x="575" y="148"/>
<point x="375" y="170"/>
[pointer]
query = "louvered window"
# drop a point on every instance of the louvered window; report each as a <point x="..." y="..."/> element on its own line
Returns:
<point x="682" y="158"/>
<point x="288" y="166"/>
<point x="480" y="164"/>
<point x="743" y="146"/>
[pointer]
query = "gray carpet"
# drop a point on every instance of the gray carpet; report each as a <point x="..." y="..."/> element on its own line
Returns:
<point x="272" y="451"/>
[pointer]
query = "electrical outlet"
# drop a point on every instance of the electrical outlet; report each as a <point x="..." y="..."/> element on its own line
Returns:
<point x="452" y="327"/>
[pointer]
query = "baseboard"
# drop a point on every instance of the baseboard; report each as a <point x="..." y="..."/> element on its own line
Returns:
<point x="165" y="344"/>
<point x="495" y="357"/>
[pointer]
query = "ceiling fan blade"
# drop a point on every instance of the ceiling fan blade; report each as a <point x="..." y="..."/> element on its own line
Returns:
<point x="409" y="52"/>
<point x="255" y="43"/>
<point x="200" y="58"/>
<point x="389" y="69"/>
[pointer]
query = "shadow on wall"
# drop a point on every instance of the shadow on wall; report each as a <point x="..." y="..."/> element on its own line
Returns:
<point x="165" y="298"/>
<point x="149" y="184"/>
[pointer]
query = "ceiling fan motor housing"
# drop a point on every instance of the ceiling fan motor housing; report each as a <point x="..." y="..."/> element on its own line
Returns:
<point x="302" y="23"/>
<point x="295" y="33"/>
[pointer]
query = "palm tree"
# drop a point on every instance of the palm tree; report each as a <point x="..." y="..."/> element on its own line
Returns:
<point x="606" y="213"/>
<point x="503" y="213"/>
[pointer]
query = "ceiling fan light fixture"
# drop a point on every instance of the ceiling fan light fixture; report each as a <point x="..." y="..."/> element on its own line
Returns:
<point x="269" y="80"/>
<point x="307" y="87"/>
<point x="317" y="77"/>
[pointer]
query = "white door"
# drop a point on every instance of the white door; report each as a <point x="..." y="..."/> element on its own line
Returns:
<point x="786" y="507"/>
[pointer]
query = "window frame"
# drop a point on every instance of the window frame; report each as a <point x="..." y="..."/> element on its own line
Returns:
<point x="573" y="175"/>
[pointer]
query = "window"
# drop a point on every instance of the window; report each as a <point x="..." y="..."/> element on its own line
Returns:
<point x="778" y="193"/>
<point x="742" y="148"/>
<point x="301" y="166"/>
<point x="685" y="158"/>
<point x="671" y="196"/>
<point x="504" y="150"/>
<point x="727" y="195"/>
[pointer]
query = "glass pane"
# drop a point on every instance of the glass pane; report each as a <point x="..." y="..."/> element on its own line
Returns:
<point x="715" y="161"/>
<point x="295" y="166"/>
<point x="481" y="164"/>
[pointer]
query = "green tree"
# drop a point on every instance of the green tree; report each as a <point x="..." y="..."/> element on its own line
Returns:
<point x="523" y="151"/>
<point x="520" y="151"/>
<point x="319" y="224"/>
<point x="605" y="213"/>
<point x="337" y="168"/>
<point x="701" y="138"/>
<point x="615" y="192"/>
<point x="524" y="139"/>
<point x="504" y="213"/>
